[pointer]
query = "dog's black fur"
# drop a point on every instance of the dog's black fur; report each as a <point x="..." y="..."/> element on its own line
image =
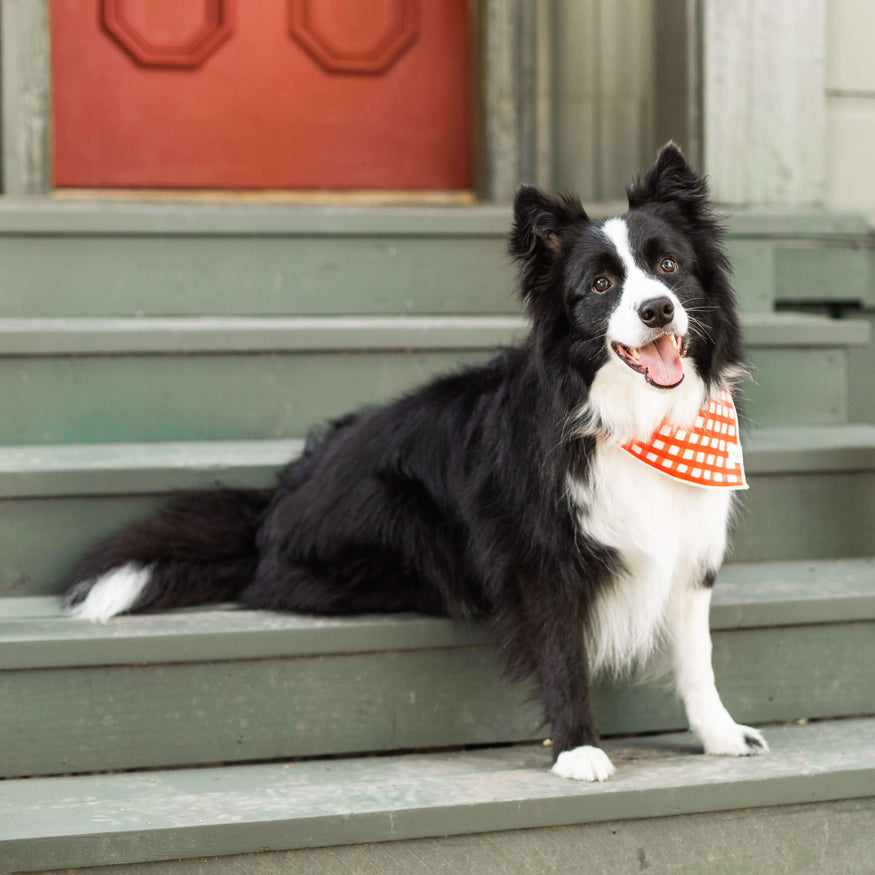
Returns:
<point x="453" y="499"/>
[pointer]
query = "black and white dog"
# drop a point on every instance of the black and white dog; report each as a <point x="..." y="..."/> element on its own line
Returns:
<point x="500" y="493"/>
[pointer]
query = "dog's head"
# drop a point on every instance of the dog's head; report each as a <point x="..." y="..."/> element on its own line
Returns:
<point x="639" y="306"/>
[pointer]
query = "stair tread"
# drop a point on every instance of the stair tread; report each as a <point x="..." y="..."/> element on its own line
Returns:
<point x="35" y="634"/>
<point x="53" y="216"/>
<point x="89" y="820"/>
<point x="124" y="468"/>
<point x="188" y="334"/>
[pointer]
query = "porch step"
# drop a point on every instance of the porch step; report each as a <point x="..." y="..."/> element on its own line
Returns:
<point x="202" y="686"/>
<point x="184" y="259"/>
<point x="812" y="495"/>
<point x="85" y="380"/>
<point x="383" y="810"/>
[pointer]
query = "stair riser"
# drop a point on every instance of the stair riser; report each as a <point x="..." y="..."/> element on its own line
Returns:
<point x="224" y="276"/>
<point x="101" y="399"/>
<point x="782" y="516"/>
<point x="799" y="515"/>
<point x="114" y="717"/>
<point x="268" y="273"/>
<point x="154" y="276"/>
<point x="838" y="273"/>
<point x="783" y="838"/>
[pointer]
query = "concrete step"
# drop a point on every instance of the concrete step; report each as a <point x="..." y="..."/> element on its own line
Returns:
<point x="64" y="258"/>
<point x="106" y="380"/>
<point x="493" y="810"/>
<point x="212" y="685"/>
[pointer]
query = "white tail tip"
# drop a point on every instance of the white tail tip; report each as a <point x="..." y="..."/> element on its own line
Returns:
<point x="114" y="593"/>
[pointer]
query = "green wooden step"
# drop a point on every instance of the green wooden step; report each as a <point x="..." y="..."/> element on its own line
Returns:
<point x="226" y="685"/>
<point x="812" y="495"/>
<point x="68" y="258"/>
<point x="783" y="838"/>
<point x="806" y="259"/>
<point x="93" y="380"/>
<point x="336" y="805"/>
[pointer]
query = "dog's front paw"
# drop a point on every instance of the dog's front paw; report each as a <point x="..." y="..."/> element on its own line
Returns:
<point x="585" y="763"/>
<point x="734" y="740"/>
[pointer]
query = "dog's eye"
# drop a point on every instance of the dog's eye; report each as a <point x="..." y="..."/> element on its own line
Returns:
<point x="601" y="284"/>
<point x="668" y="265"/>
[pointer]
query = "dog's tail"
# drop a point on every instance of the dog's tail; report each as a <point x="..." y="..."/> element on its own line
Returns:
<point x="200" y="548"/>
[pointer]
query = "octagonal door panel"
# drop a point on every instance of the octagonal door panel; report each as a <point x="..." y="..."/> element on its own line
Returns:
<point x="261" y="93"/>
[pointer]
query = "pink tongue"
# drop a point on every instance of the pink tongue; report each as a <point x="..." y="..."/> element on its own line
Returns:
<point x="662" y="361"/>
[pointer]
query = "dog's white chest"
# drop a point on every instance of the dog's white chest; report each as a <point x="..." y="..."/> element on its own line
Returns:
<point x="667" y="534"/>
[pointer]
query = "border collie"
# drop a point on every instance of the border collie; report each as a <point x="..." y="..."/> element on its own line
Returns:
<point x="502" y="493"/>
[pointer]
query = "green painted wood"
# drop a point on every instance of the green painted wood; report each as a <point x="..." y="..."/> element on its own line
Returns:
<point x="764" y="593"/>
<point x="783" y="329"/>
<point x="130" y="468"/>
<point x="226" y="395"/>
<point x="200" y="334"/>
<point x="58" y="217"/>
<point x="105" y="717"/>
<point x="861" y="366"/>
<point x="803" y="503"/>
<point x="41" y="539"/>
<point x="753" y="269"/>
<point x="35" y="633"/>
<point x="254" y="275"/>
<point x="122" y="259"/>
<point x="797" y="386"/>
<point x="139" y="817"/>
<point x="246" y="334"/>
<point x="806" y="516"/>
<point x="792" y="516"/>
<point x="811" y="449"/>
<point x="822" y="273"/>
<point x="835" y="837"/>
<point x="799" y="222"/>
<point x="200" y="397"/>
<point x="24" y="79"/>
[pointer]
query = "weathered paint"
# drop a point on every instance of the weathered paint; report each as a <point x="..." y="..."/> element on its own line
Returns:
<point x="137" y="817"/>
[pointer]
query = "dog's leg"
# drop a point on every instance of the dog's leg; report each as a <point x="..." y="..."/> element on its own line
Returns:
<point x="694" y="677"/>
<point x="556" y="651"/>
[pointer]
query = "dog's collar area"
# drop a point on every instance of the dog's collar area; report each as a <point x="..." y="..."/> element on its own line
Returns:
<point x="706" y="453"/>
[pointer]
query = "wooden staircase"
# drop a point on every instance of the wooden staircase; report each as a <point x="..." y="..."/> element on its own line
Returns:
<point x="150" y="347"/>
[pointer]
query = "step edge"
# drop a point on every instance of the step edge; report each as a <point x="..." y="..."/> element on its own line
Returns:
<point x="53" y="216"/>
<point x="43" y="336"/>
<point x="50" y="640"/>
<point x="48" y="470"/>
<point x="540" y="804"/>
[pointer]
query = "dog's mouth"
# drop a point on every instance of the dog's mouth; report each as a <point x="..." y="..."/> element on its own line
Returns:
<point x="660" y="361"/>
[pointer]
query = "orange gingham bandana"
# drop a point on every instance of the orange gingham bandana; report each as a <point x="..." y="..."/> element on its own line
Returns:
<point x="708" y="454"/>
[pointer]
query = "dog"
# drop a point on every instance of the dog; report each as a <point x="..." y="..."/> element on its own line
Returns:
<point x="506" y="492"/>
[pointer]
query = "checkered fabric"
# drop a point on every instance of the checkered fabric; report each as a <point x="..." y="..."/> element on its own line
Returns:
<point x="706" y="454"/>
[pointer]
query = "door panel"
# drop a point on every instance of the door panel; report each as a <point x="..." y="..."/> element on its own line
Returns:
<point x="266" y="94"/>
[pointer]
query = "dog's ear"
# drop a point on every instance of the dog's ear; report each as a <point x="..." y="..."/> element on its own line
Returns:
<point x="539" y="224"/>
<point x="672" y="182"/>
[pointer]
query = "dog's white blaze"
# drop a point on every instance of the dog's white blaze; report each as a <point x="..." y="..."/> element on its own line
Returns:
<point x="620" y="400"/>
<point x="114" y="593"/>
<point x="584" y="763"/>
<point x="625" y="325"/>
<point x="667" y="534"/>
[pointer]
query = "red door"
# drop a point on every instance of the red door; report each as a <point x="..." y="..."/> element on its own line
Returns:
<point x="261" y="93"/>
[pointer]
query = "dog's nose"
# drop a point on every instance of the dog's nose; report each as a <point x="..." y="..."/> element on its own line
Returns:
<point x="656" y="312"/>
